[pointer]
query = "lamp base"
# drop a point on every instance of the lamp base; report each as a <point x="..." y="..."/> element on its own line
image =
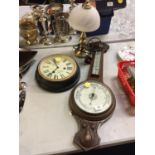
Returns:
<point x="81" y="52"/>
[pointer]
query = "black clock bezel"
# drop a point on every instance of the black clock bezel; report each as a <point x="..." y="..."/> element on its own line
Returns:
<point x="58" y="86"/>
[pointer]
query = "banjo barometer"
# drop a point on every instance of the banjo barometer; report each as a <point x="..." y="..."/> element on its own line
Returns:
<point x="92" y="102"/>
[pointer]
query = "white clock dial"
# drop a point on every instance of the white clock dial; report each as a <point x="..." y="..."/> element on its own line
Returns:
<point x="92" y="97"/>
<point x="57" y="67"/>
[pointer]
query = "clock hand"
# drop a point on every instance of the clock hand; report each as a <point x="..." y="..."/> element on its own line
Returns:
<point x="92" y="96"/>
<point x="55" y="69"/>
<point x="56" y="63"/>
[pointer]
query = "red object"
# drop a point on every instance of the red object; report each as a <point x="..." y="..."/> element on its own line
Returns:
<point x="123" y="79"/>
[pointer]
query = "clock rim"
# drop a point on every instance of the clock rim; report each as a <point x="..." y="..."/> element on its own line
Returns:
<point x="59" y="80"/>
<point x="86" y="115"/>
<point x="91" y="81"/>
<point x="55" y="86"/>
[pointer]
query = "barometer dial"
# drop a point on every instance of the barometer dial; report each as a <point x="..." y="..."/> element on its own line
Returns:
<point x="92" y="97"/>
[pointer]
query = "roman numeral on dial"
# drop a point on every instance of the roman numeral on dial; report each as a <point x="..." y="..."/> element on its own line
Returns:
<point x="46" y="71"/>
<point x="68" y="63"/>
<point x="49" y="74"/>
<point x="69" y="68"/>
<point x="48" y="62"/>
<point x="64" y="60"/>
<point x="45" y="66"/>
<point x="62" y="76"/>
<point x="55" y="77"/>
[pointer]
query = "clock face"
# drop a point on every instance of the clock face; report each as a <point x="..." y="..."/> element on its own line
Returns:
<point x="93" y="97"/>
<point x="57" y="67"/>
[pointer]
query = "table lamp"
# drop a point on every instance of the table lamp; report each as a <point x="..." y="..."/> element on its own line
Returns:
<point x="84" y="18"/>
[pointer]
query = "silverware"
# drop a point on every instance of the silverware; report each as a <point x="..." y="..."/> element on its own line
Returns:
<point x="22" y="95"/>
<point x="25" y="68"/>
<point x="43" y="21"/>
<point x="25" y="62"/>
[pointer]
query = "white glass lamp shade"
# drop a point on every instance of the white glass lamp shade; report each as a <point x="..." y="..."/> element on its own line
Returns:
<point x="84" y="20"/>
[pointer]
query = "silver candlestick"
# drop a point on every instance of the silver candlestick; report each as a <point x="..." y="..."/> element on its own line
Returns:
<point x="43" y="20"/>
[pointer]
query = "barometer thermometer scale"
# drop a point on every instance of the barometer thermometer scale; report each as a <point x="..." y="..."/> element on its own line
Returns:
<point x="92" y="102"/>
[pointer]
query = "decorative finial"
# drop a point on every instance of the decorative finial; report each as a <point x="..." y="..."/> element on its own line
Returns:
<point x="86" y="4"/>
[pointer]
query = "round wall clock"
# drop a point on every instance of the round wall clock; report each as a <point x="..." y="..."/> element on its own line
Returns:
<point x="57" y="73"/>
<point x="92" y="102"/>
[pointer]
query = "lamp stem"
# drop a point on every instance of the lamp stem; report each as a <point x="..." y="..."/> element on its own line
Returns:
<point x="81" y="51"/>
<point x="82" y="39"/>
